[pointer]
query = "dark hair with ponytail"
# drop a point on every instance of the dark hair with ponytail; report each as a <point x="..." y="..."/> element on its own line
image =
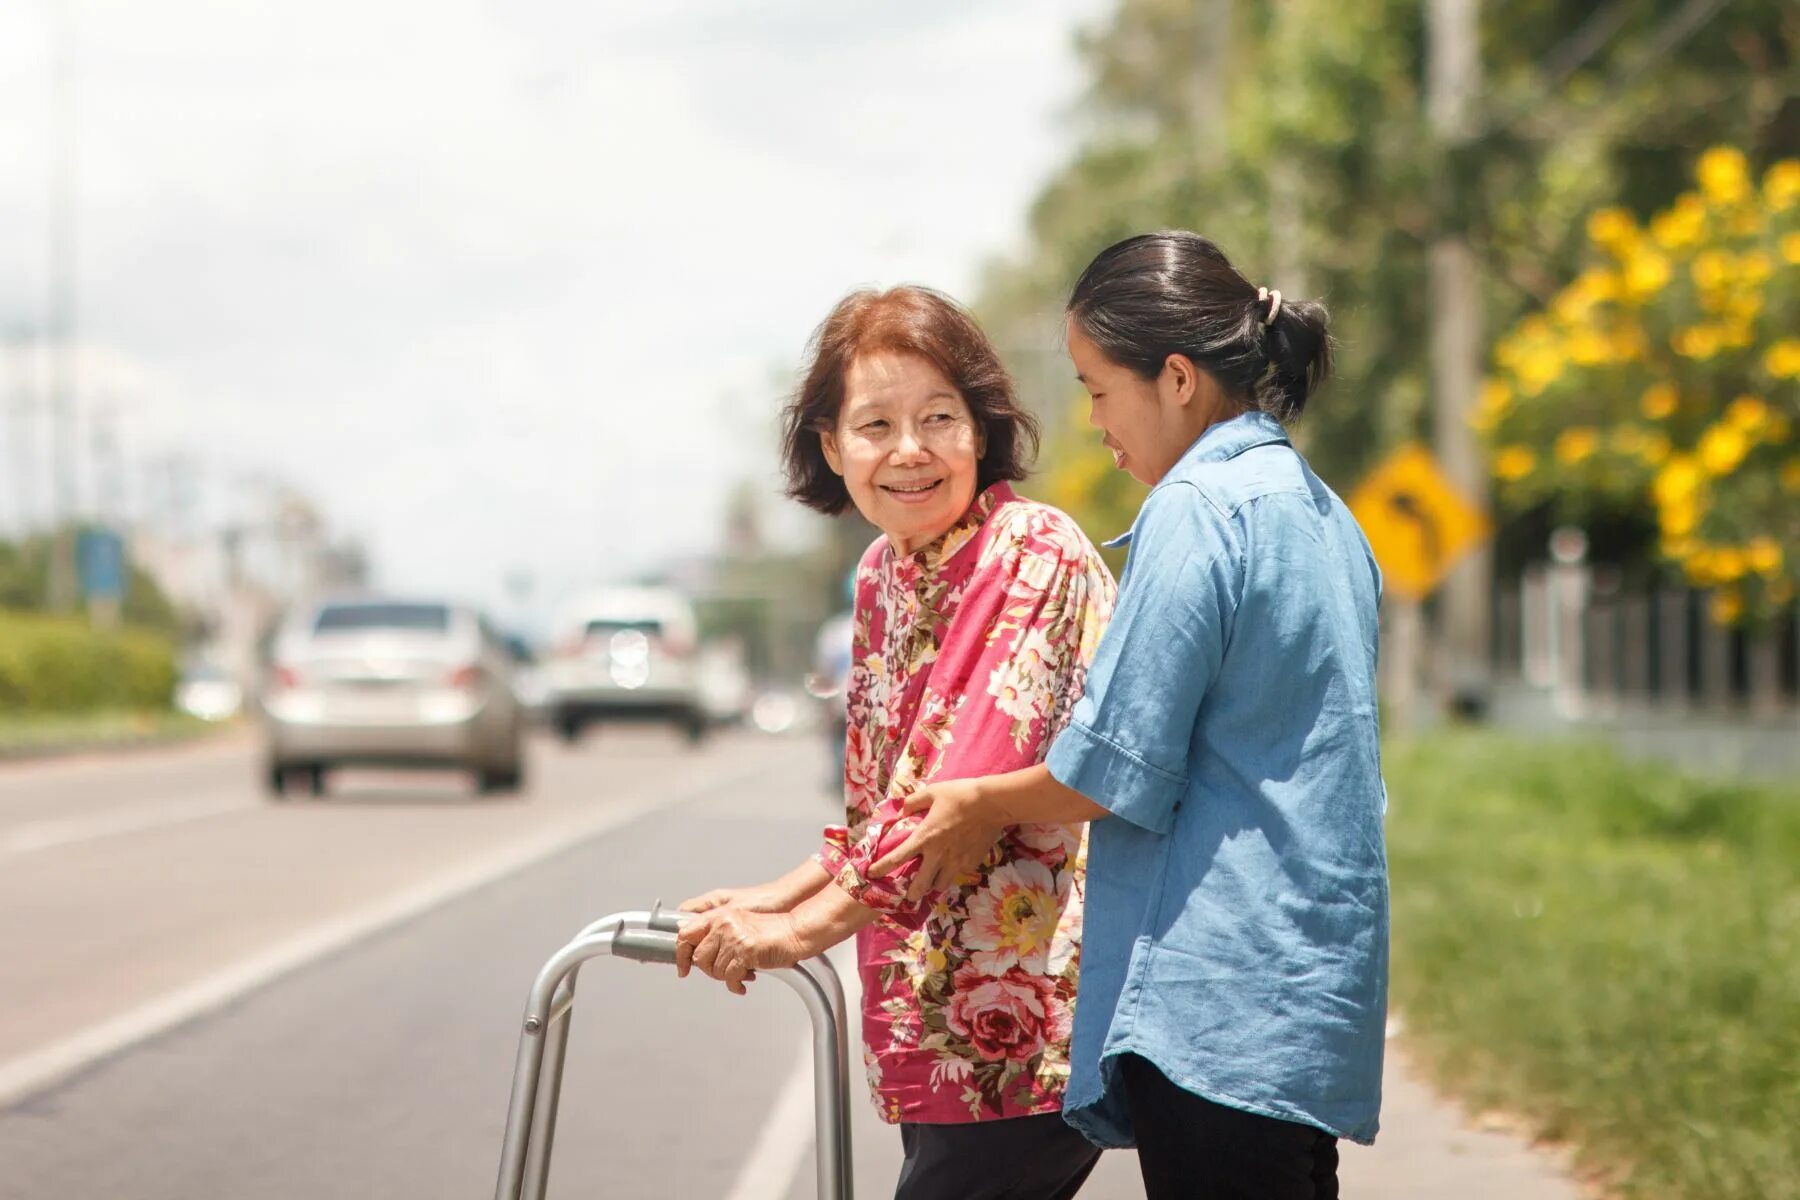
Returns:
<point x="1158" y="294"/>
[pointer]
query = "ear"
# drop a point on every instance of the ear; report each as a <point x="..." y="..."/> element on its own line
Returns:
<point x="828" y="443"/>
<point x="980" y="439"/>
<point x="1180" y="379"/>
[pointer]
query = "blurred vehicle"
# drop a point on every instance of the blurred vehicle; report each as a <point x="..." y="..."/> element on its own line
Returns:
<point x="829" y="684"/>
<point x="724" y="681"/>
<point x="531" y="684"/>
<point x="207" y="691"/>
<point x="627" y="654"/>
<point x="380" y="682"/>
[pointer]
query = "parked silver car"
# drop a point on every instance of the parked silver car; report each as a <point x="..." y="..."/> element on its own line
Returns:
<point x="627" y="654"/>
<point x="385" y="682"/>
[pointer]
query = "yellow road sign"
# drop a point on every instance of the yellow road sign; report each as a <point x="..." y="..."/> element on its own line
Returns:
<point x="1417" y="524"/>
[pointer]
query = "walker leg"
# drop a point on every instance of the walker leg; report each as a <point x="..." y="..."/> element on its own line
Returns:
<point x="556" y="1048"/>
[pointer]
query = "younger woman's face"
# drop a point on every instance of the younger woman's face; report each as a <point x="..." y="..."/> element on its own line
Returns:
<point x="1148" y="424"/>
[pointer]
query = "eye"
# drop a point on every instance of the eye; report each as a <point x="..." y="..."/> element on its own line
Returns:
<point x="939" y="418"/>
<point x="875" y="426"/>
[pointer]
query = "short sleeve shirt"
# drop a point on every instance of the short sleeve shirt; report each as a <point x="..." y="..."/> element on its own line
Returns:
<point x="1237" y="902"/>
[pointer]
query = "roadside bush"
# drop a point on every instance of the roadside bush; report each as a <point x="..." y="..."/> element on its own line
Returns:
<point x="61" y="665"/>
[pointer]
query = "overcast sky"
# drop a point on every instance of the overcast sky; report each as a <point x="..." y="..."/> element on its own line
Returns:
<point x="508" y="286"/>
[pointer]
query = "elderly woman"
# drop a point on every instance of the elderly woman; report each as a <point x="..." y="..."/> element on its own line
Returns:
<point x="976" y="614"/>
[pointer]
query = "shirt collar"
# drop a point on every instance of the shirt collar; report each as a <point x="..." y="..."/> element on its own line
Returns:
<point x="1222" y="441"/>
<point x="928" y="559"/>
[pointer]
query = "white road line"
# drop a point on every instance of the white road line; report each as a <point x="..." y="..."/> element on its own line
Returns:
<point x="45" y="835"/>
<point x="35" y="1071"/>
<point x="781" y="1147"/>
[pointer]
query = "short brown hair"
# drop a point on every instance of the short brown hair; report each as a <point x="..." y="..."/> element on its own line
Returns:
<point x="902" y="320"/>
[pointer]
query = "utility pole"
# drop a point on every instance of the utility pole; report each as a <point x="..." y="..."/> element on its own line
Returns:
<point x="22" y="364"/>
<point x="1453" y="86"/>
<point x="60" y="326"/>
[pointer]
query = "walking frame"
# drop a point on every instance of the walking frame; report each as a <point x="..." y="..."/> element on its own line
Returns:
<point x="649" y="937"/>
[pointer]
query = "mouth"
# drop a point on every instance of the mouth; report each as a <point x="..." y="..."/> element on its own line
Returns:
<point x="1117" y="453"/>
<point x="913" y="493"/>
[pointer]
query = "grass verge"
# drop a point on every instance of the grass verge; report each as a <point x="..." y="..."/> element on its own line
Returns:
<point x="29" y="736"/>
<point x="1610" y="950"/>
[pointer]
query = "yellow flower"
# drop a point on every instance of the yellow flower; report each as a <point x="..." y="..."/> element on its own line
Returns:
<point x="1781" y="184"/>
<point x="1679" y="520"/>
<point x="1748" y="413"/>
<point x="1539" y="368"/>
<point x="1574" y="445"/>
<point x="1727" y="606"/>
<point x="1783" y="359"/>
<point x="1514" y="463"/>
<point x="1679" y="479"/>
<point x="1611" y="227"/>
<point x="1722" y="448"/>
<point x="1654" y="449"/>
<point x="1729" y="565"/>
<point x="1697" y="341"/>
<point x="1790" y="249"/>
<point x="1589" y="349"/>
<point x="1724" y="175"/>
<point x="1681" y="226"/>
<point x="1790" y="474"/>
<point x="1645" y="274"/>
<point x="1735" y="335"/>
<point x="936" y="960"/>
<point x="1764" y="555"/>
<point x="1658" y="401"/>
<point x="1711" y="270"/>
<point x="1755" y="268"/>
<point x="1679" y="549"/>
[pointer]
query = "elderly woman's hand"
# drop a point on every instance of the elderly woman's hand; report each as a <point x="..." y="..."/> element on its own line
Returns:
<point x="762" y="898"/>
<point x="732" y="944"/>
<point x="956" y="836"/>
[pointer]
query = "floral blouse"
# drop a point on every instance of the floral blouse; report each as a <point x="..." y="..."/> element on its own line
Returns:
<point x="969" y="656"/>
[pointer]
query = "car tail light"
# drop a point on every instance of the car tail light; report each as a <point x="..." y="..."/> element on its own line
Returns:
<point x="677" y="645"/>
<point x="466" y="677"/>
<point x="571" y="647"/>
<point x="286" y="677"/>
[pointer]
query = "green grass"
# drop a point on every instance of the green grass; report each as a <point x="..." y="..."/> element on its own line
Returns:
<point x="23" y="735"/>
<point x="1609" y="950"/>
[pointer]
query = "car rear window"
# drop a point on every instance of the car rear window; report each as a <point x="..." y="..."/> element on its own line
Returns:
<point x="604" y="629"/>
<point x="415" y="618"/>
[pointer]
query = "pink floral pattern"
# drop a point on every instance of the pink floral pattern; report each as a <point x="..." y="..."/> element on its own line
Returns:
<point x="969" y="656"/>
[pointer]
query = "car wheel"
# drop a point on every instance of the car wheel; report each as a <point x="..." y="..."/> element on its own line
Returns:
<point x="275" y="779"/>
<point x="509" y="778"/>
<point x="315" y="779"/>
<point x="695" y="728"/>
<point x="569" y="729"/>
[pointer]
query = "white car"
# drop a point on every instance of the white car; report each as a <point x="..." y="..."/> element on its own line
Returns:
<point x="627" y="654"/>
<point x="383" y="682"/>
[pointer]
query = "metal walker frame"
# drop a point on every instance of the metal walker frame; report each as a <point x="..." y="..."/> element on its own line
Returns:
<point x="650" y="937"/>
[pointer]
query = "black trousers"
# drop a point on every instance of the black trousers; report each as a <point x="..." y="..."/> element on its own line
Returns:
<point x="1020" y="1158"/>
<point x="1192" y="1149"/>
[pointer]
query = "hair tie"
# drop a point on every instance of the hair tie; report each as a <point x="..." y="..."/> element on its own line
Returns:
<point x="1274" y="301"/>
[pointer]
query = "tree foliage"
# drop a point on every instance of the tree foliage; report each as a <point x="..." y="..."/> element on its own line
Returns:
<point x="1325" y="178"/>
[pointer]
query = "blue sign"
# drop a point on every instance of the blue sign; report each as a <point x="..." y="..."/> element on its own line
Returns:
<point x="100" y="560"/>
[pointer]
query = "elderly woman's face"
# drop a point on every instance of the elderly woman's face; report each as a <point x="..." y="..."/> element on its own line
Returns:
<point x="907" y="446"/>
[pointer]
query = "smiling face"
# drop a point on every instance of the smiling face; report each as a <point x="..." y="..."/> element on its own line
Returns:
<point x="1148" y="424"/>
<point x="908" y="447"/>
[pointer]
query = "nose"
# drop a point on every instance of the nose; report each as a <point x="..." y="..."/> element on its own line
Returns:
<point x="1094" y="416"/>
<point x="910" y="448"/>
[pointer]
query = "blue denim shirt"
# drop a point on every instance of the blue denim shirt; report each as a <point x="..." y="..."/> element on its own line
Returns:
<point x="1237" y="903"/>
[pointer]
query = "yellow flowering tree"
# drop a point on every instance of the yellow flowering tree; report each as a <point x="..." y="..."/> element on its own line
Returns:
<point x="1665" y="379"/>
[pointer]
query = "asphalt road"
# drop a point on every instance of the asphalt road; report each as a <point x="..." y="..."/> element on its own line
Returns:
<point x="206" y="994"/>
